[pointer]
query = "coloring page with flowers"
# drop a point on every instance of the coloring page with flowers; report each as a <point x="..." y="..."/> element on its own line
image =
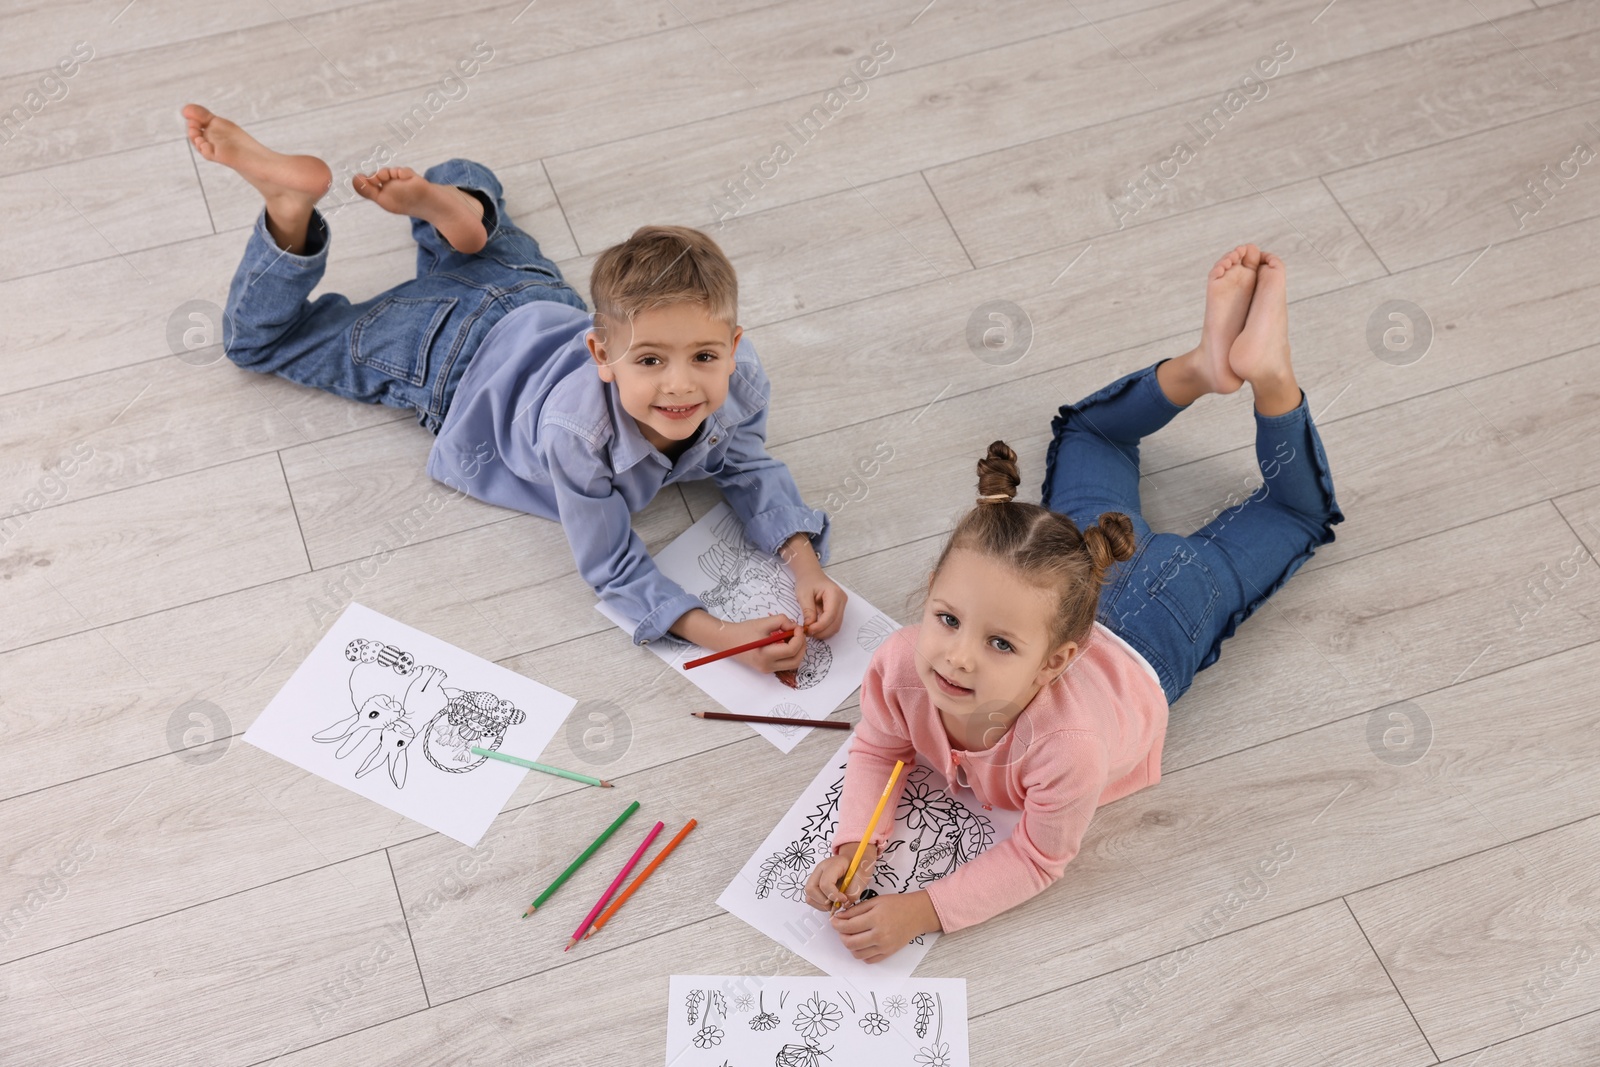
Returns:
<point x="745" y="1021"/>
<point x="937" y="828"/>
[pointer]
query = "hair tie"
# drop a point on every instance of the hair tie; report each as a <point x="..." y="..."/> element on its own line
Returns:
<point x="996" y="498"/>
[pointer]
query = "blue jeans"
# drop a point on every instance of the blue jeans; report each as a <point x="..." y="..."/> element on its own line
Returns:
<point x="1177" y="598"/>
<point x="407" y="347"/>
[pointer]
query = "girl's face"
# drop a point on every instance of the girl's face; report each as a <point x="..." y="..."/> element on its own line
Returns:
<point x="984" y="649"/>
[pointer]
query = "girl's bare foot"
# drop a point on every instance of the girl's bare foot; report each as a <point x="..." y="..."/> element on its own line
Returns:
<point x="457" y="215"/>
<point x="291" y="185"/>
<point x="1228" y="290"/>
<point x="1260" y="355"/>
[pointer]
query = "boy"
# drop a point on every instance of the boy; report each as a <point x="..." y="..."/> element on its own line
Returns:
<point x="537" y="405"/>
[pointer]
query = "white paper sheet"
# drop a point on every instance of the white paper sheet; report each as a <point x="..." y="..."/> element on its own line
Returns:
<point x="769" y="892"/>
<point x="743" y="1021"/>
<point x="713" y="560"/>
<point x="391" y="713"/>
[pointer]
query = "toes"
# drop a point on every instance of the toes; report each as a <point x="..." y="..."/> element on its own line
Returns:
<point x="1251" y="256"/>
<point x="197" y="114"/>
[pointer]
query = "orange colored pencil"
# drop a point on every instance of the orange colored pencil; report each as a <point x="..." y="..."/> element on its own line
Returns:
<point x="628" y="892"/>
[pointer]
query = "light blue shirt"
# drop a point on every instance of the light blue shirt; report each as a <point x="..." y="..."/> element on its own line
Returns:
<point x="533" y="427"/>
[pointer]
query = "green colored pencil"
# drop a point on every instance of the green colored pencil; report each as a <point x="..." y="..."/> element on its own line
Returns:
<point x="585" y="854"/>
<point x="545" y="767"/>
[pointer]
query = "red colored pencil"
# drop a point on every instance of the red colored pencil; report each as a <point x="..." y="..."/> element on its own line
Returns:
<point x="774" y="720"/>
<point x="605" y="898"/>
<point x="770" y="639"/>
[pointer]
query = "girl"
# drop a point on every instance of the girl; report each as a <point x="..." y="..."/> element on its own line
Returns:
<point x="1051" y="644"/>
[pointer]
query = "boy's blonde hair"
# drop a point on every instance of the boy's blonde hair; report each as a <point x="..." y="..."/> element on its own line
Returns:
<point x="662" y="265"/>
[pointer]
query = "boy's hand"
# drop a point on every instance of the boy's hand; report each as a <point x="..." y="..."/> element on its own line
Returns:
<point x="821" y="599"/>
<point x="822" y="887"/>
<point x="782" y="656"/>
<point x="882" y="926"/>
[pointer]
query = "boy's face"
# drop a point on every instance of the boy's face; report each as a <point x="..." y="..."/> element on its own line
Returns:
<point x="671" y="372"/>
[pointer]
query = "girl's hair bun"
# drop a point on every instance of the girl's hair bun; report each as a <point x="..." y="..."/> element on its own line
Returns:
<point x="1110" y="540"/>
<point x="997" y="475"/>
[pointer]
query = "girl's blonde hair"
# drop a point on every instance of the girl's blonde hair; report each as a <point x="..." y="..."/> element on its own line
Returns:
<point x="1045" y="548"/>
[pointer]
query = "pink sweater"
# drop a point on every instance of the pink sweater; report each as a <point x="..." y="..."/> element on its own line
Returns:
<point x="1092" y="736"/>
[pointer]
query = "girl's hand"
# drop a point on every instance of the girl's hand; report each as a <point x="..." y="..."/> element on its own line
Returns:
<point x="822" y="887"/>
<point x="882" y="926"/>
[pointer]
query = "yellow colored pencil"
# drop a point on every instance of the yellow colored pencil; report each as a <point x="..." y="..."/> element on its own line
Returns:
<point x="861" y="847"/>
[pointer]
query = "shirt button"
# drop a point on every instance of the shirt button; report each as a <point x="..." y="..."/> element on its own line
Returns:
<point x="713" y="440"/>
<point x="646" y="641"/>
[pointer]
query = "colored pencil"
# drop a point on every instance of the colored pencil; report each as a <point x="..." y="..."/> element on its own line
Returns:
<point x="770" y="639"/>
<point x="582" y="856"/>
<point x="605" y="897"/>
<point x="545" y="767"/>
<point x="775" y="720"/>
<point x="605" y="916"/>
<point x="861" y="848"/>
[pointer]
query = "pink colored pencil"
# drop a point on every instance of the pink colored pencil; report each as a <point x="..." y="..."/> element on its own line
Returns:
<point x="615" y="882"/>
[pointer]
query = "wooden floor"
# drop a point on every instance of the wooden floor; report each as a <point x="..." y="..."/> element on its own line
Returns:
<point x="1412" y="720"/>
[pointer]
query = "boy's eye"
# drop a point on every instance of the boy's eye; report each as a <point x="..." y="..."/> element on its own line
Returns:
<point x="649" y="361"/>
<point x="709" y="357"/>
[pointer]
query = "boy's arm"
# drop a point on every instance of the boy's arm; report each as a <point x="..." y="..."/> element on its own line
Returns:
<point x="761" y="491"/>
<point x="610" y="556"/>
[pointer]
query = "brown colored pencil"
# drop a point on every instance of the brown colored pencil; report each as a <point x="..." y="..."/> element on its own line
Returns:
<point x="628" y="892"/>
<point x="770" y="639"/>
<point x="774" y="720"/>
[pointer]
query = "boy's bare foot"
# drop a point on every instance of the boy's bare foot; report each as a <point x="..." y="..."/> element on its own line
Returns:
<point x="456" y="214"/>
<point x="1228" y="290"/>
<point x="291" y="185"/>
<point x="1260" y="355"/>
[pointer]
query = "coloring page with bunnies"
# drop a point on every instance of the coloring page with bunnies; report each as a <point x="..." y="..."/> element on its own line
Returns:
<point x="937" y="827"/>
<point x="393" y="714"/>
<point x="749" y="1021"/>
<point x="714" y="560"/>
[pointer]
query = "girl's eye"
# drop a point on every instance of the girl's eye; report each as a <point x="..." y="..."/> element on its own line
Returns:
<point x="1003" y="645"/>
<point x="946" y="618"/>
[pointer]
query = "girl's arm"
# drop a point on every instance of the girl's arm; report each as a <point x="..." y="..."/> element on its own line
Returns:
<point x="1063" y="777"/>
<point x="881" y="737"/>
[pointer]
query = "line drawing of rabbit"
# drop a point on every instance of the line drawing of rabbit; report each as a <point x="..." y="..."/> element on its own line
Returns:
<point x="392" y="746"/>
<point x="749" y="584"/>
<point x="392" y="694"/>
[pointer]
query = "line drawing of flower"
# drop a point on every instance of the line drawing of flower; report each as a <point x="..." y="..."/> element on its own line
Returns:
<point x="792" y="885"/>
<point x="936" y="1055"/>
<point x="873" y="1023"/>
<point x="894" y="1006"/>
<point x="707" y="1036"/>
<point x="817" y="1017"/>
<point x="742" y="1002"/>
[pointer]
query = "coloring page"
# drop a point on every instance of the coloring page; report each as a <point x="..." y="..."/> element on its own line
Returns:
<point x="749" y="1021"/>
<point x="937" y="828"/>
<point x="393" y="714"/>
<point x="713" y="560"/>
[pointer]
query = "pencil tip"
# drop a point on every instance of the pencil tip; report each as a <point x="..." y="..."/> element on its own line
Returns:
<point x="527" y="913"/>
<point x="698" y="714"/>
<point x="574" y="941"/>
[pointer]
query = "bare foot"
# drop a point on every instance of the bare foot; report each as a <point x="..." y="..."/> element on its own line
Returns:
<point x="457" y="215"/>
<point x="1260" y="355"/>
<point x="275" y="175"/>
<point x="1229" y="288"/>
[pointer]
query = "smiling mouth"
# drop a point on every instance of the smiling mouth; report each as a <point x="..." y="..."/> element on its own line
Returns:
<point x="677" y="412"/>
<point x="950" y="687"/>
